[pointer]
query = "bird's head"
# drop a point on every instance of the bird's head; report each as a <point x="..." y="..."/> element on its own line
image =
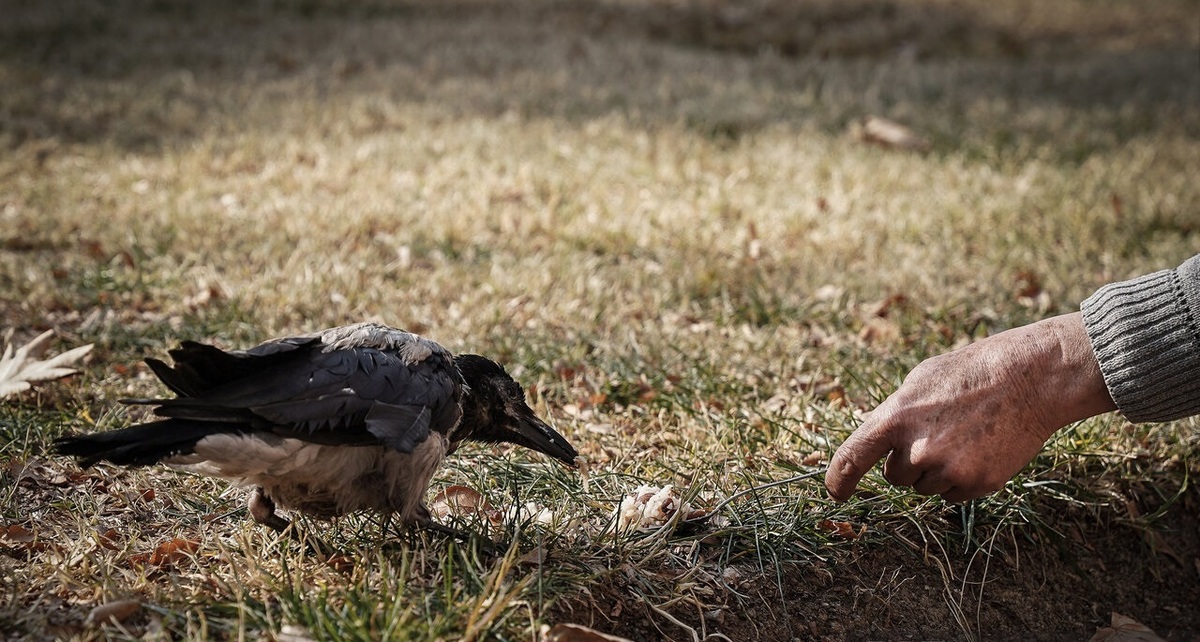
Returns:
<point x="494" y="410"/>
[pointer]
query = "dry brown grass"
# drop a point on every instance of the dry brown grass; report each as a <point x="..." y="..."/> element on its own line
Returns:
<point x="653" y="211"/>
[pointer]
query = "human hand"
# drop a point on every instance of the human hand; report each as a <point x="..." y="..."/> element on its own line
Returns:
<point x="965" y="422"/>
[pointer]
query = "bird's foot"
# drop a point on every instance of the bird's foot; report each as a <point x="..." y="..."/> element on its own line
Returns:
<point x="426" y="523"/>
<point x="262" y="511"/>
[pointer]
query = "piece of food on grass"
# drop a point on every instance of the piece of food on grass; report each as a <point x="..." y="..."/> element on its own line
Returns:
<point x="650" y="507"/>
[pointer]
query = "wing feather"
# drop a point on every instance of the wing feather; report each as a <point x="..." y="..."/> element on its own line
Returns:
<point x="303" y="387"/>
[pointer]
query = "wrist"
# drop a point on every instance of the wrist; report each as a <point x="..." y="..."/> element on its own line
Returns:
<point x="1074" y="383"/>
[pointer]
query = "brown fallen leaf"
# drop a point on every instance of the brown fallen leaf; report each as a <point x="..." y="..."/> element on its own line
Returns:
<point x="579" y="633"/>
<point x="880" y="331"/>
<point x="844" y="530"/>
<point x="22" y="538"/>
<point x="340" y="563"/>
<point x="836" y="396"/>
<point x="17" y="534"/>
<point x="1027" y="284"/>
<point x="1125" y="629"/>
<point x="534" y="557"/>
<point x="884" y="308"/>
<point x="167" y="553"/>
<point x="117" y="611"/>
<point x="109" y="539"/>
<point x="463" y="502"/>
<point x="1159" y="544"/>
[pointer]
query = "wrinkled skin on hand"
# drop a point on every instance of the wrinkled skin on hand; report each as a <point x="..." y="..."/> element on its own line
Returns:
<point x="963" y="423"/>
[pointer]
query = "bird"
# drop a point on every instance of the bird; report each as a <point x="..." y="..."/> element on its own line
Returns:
<point x="352" y="418"/>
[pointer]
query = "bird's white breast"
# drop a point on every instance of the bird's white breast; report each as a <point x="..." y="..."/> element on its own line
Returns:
<point x="321" y="480"/>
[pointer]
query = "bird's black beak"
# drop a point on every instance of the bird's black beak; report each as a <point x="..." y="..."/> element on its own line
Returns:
<point x="534" y="433"/>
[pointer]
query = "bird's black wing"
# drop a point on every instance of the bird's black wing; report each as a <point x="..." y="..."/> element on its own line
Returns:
<point x="391" y="394"/>
<point x="200" y="367"/>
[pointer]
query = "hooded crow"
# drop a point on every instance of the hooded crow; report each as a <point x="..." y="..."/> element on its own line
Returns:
<point x="352" y="418"/>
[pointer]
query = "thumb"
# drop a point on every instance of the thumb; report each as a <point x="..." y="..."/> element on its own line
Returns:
<point x="861" y="450"/>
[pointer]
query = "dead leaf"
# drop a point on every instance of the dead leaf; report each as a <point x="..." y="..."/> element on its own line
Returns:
<point x="813" y="458"/>
<point x="168" y="553"/>
<point x="1028" y="284"/>
<point x="1125" y="629"/>
<point x="463" y="502"/>
<point x="579" y="633"/>
<point x="884" y="308"/>
<point x="889" y="134"/>
<point x="534" y="557"/>
<point x="17" y="534"/>
<point x="844" y="530"/>
<point x="93" y="249"/>
<point x="340" y="563"/>
<point x="117" y="611"/>
<point x="108" y="539"/>
<point x="1159" y="544"/>
<point x="23" y="538"/>
<point x="72" y="478"/>
<point x="21" y="368"/>
<point x="880" y="331"/>
<point x="836" y="396"/>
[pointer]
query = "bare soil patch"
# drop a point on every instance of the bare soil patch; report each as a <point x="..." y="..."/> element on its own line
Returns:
<point x="1036" y="586"/>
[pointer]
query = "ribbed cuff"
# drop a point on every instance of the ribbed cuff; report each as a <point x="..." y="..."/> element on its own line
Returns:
<point x="1146" y="335"/>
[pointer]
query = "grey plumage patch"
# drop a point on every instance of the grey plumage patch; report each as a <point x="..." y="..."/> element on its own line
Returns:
<point x="412" y="348"/>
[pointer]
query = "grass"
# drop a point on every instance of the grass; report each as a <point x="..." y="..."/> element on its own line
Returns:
<point x="654" y="214"/>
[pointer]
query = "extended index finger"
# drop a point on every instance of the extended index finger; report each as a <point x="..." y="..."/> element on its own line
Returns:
<point x="861" y="450"/>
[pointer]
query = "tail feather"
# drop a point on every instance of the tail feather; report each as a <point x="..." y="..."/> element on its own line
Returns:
<point x="199" y="369"/>
<point x="143" y="444"/>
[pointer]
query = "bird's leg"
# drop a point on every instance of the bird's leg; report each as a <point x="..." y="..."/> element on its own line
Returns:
<point x="424" y="521"/>
<point x="262" y="511"/>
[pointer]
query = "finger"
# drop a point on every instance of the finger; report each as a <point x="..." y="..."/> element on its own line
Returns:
<point x="861" y="450"/>
<point x="899" y="469"/>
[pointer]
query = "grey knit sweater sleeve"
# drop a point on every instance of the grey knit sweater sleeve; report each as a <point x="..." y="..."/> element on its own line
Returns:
<point x="1146" y="335"/>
